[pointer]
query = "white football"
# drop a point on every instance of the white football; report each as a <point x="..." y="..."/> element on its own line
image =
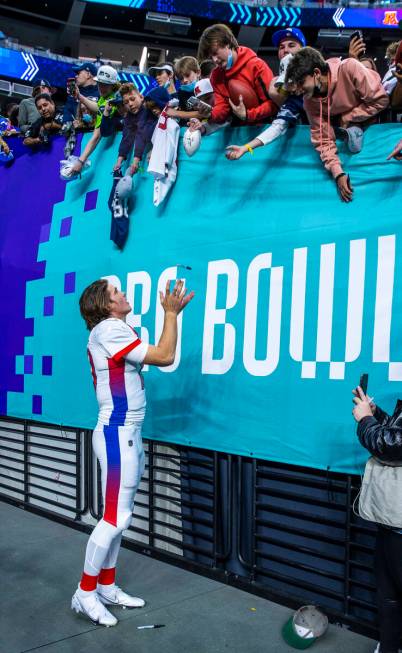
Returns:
<point x="191" y="141"/>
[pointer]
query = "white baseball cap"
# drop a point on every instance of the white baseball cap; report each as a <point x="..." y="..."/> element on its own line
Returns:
<point x="106" y="75"/>
<point x="124" y="187"/>
<point x="153" y="71"/>
<point x="202" y="87"/>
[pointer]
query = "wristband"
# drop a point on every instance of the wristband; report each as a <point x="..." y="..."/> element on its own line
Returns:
<point x="249" y="148"/>
<point x="341" y="174"/>
<point x="82" y="162"/>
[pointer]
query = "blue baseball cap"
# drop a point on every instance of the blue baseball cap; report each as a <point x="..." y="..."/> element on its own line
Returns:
<point x="288" y="33"/>
<point x="6" y="158"/>
<point x="88" y="66"/>
<point x="159" y="95"/>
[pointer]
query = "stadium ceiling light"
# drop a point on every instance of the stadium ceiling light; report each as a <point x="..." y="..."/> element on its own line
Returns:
<point x="143" y="59"/>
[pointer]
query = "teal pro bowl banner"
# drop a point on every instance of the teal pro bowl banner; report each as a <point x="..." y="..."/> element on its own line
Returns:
<point x="297" y="294"/>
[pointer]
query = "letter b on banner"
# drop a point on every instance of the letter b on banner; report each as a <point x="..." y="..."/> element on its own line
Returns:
<point x="214" y="316"/>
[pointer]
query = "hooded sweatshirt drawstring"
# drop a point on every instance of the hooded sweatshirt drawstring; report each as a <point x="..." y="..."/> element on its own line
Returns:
<point x="328" y="114"/>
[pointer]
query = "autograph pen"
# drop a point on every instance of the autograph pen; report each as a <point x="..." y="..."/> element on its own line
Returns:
<point x="151" y="626"/>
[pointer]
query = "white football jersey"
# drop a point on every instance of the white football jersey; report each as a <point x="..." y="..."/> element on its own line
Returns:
<point x="163" y="162"/>
<point x="116" y="356"/>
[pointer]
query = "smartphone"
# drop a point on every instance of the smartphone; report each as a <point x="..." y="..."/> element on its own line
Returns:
<point x="357" y="34"/>
<point x="363" y="383"/>
<point x="204" y="105"/>
<point x="71" y="85"/>
<point x="195" y="103"/>
<point x="116" y="100"/>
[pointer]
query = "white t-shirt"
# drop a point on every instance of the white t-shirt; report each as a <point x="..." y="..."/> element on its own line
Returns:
<point x="116" y="357"/>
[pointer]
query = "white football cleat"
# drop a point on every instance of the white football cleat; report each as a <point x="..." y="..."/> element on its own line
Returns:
<point x="93" y="608"/>
<point x="116" y="596"/>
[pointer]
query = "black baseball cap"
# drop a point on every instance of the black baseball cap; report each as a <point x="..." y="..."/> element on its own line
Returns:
<point x="41" y="82"/>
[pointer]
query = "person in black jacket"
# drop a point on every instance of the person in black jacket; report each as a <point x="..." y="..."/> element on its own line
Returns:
<point x="381" y="435"/>
<point x="50" y="121"/>
<point x="138" y="127"/>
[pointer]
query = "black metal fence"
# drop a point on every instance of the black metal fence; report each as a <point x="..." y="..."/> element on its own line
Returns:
<point x="285" y="532"/>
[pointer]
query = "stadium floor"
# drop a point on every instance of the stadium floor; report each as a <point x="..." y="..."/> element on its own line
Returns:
<point x="41" y="562"/>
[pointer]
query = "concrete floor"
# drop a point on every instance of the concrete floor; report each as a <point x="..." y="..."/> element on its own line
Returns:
<point x="40" y="566"/>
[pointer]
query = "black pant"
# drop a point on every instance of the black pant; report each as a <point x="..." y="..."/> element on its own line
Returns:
<point x="388" y="565"/>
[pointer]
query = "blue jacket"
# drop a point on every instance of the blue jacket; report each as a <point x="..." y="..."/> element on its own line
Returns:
<point x="137" y="130"/>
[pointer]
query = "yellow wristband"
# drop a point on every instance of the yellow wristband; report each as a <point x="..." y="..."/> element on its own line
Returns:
<point x="249" y="148"/>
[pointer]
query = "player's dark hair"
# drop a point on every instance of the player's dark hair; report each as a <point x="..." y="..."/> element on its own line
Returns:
<point x="304" y="62"/>
<point x="43" y="96"/>
<point x="95" y="303"/>
<point x="206" y="68"/>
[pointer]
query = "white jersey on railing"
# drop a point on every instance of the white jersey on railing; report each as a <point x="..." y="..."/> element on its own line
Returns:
<point x="163" y="161"/>
<point x="116" y="355"/>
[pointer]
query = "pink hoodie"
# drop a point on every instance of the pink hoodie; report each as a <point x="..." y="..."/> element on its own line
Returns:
<point x="355" y="93"/>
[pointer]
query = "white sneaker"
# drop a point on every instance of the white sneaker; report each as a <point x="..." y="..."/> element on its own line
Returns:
<point x="116" y="596"/>
<point x="92" y="607"/>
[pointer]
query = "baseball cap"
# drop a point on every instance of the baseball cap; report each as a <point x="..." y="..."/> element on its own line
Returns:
<point x="124" y="187"/>
<point x="88" y="66"/>
<point x="288" y="33"/>
<point x="6" y="158"/>
<point x="202" y="87"/>
<point x="41" y="82"/>
<point x="158" y="95"/>
<point x="163" y="66"/>
<point x="106" y="75"/>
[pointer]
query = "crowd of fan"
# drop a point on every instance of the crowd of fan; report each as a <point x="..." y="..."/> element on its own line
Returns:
<point x="227" y="84"/>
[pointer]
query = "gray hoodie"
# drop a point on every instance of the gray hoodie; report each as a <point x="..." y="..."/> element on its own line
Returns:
<point x="27" y="114"/>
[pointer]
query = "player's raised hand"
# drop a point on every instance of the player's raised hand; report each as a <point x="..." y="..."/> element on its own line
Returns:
<point x="175" y="301"/>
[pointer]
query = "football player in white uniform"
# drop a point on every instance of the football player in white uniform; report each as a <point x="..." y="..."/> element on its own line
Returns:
<point x="116" y="355"/>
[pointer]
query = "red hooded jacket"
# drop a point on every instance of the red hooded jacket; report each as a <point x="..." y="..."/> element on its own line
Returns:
<point x="251" y="71"/>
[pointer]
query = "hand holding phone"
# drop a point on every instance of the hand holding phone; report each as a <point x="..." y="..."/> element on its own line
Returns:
<point x="357" y="46"/>
<point x="197" y="104"/>
<point x="71" y="86"/>
<point x="363" y="383"/>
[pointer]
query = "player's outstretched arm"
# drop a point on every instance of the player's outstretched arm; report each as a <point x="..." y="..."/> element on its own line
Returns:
<point x="173" y="303"/>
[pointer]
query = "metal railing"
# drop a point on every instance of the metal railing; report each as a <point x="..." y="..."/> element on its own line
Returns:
<point x="285" y="532"/>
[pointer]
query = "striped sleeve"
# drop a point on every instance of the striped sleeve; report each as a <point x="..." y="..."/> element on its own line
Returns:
<point x="120" y="341"/>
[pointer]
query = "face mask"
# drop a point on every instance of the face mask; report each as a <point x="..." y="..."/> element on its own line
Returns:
<point x="188" y="87"/>
<point x="230" y="60"/>
<point x="87" y="118"/>
<point x="166" y="84"/>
